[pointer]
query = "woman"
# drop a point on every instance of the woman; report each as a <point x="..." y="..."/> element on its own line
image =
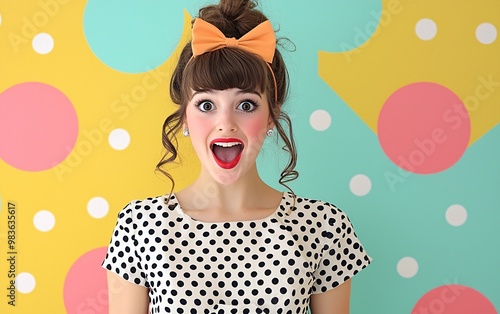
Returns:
<point x="229" y="243"/>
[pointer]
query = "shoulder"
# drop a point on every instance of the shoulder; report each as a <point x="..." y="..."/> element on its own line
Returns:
<point x="140" y="213"/>
<point x="322" y="213"/>
<point x="316" y="206"/>
<point x="149" y="203"/>
<point x="138" y="208"/>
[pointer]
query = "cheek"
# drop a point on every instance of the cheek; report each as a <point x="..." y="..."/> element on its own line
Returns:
<point x="256" y="128"/>
<point x="198" y="125"/>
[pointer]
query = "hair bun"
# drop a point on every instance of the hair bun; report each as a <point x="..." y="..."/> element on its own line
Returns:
<point x="233" y="9"/>
<point x="234" y="18"/>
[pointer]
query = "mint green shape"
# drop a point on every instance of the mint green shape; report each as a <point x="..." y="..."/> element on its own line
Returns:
<point x="134" y="36"/>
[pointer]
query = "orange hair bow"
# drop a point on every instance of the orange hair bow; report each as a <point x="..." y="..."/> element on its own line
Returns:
<point x="260" y="41"/>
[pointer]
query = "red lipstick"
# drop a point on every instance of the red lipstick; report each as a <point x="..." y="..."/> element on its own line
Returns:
<point x="226" y="151"/>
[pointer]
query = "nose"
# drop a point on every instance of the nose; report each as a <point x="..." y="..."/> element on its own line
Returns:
<point x="227" y="122"/>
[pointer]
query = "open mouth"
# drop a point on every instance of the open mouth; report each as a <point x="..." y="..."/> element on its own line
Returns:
<point x="227" y="152"/>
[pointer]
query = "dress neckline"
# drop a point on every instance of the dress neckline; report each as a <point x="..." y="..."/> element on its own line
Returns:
<point x="282" y="207"/>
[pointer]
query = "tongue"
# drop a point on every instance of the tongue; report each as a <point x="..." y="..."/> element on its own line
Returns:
<point x="227" y="154"/>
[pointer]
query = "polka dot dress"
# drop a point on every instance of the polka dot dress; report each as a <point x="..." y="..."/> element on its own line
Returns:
<point x="269" y="265"/>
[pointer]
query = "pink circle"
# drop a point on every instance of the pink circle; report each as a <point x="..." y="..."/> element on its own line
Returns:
<point x="85" y="288"/>
<point x="424" y="128"/>
<point x="453" y="299"/>
<point x="38" y="126"/>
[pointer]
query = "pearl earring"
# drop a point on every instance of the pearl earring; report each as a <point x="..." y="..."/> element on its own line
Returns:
<point x="270" y="132"/>
<point x="185" y="132"/>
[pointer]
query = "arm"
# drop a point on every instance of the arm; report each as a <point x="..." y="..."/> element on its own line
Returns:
<point x="334" y="301"/>
<point x="126" y="297"/>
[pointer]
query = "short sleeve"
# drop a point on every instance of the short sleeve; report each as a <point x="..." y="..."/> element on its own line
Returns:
<point x="122" y="257"/>
<point x="343" y="256"/>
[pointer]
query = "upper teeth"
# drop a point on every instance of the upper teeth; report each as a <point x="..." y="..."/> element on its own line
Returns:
<point x="227" y="144"/>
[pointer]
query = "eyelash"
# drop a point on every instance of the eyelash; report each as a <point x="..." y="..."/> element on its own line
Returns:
<point x="253" y="103"/>
<point x="202" y="101"/>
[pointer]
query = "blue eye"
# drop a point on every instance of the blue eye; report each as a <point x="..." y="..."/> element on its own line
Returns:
<point x="247" y="106"/>
<point x="205" y="105"/>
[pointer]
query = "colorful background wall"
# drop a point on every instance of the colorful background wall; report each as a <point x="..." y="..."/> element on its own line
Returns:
<point x="395" y="103"/>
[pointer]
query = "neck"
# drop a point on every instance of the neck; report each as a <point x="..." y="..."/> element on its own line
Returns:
<point x="249" y="192"/>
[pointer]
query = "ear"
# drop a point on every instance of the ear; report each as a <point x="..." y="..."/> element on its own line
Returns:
<point x="270" y="124"/>
<point x="184" y="123"/>
<point x="277" y="111"/>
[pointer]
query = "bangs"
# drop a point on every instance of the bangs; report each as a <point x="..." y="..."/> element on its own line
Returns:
<point x="224" y="69"/>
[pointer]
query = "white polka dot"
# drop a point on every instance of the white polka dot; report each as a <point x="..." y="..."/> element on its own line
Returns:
<point x="119" y="139"/>
<point x="360" y="185"/>
<point x="25" y="282"/>
<point x="456" y="215"/>
<point x="97" y="207"/>
<point x="320" y="120"/>
<point x="43" y="43"/>
<point x="426" y="29"/>
<point x="0" y="19"/>
<point x="44" y="220"/>
<point x="486" y="33"/>
<point x="407" y="267"/>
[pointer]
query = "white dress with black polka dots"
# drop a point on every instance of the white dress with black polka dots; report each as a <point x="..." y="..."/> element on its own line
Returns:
<point x="269" y="265"/>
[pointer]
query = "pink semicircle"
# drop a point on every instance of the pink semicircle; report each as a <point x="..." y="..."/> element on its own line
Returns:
<point x="454" y="299"/>
<point x="85" y="287"/>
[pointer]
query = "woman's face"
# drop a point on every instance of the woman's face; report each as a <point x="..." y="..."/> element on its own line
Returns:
<point x="227" y="130"/>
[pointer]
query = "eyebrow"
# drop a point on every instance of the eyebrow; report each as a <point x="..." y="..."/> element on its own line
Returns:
<point x="201" y="92"/>
<point x="239" y="92"/>
<point x="249" y="92"/>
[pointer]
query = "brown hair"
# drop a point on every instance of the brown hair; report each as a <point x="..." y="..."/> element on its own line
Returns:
<point x="229" y="68"/>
